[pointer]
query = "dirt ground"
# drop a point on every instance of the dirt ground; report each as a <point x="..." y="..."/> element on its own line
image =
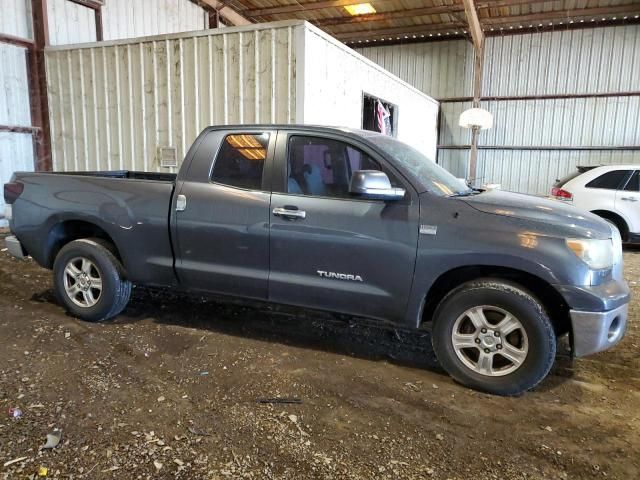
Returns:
<point x="172" y="389"/>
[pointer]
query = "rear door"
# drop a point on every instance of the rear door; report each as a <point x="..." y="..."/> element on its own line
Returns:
<point x="600" y="193"/>
<point x="328" y="249"/>
<point x="223" y="231"/>
<point x="628" y="202"/>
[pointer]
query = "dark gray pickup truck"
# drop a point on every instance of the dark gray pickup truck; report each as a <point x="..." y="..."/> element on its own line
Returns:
<point x="343" y="220"/>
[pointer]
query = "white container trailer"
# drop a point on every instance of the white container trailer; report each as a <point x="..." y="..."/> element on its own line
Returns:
<point x="139" y="104"/>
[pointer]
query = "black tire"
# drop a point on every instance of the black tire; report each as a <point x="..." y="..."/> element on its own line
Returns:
<point x="622" y="229"/>
<point x="510" y="297"/>
<point x="115" y="288"/>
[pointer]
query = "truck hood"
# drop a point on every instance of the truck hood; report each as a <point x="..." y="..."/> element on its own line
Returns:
<point x="558" y="218"/>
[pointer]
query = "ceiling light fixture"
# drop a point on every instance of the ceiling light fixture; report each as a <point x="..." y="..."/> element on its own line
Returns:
<point x="360" y="9"/>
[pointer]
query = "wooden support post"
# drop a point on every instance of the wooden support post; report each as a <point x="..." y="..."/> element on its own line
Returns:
<point x="478" y="43"/>
<point x="38" y="86"/>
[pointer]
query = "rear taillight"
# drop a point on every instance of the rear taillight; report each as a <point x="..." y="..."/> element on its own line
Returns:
<point x="12" y="191"/>
<point x="561" y="194"/>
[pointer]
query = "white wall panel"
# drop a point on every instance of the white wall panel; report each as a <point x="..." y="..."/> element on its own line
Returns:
<point x="130" y="19"/>
<point x="14" y="86"/>
<point x="335" y="79"/>
<point x="16" y="154"/>
<point x="70" y="23"/>
<point x="15" y="18"/>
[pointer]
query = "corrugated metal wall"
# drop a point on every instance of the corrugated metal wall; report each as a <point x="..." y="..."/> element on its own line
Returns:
<point x="70" y="23"/>
<point x="15" y="19"/>
<point x="16" y="149"/>
<point x="556" y="133"/>
<point x="440" y="69"/>
<point x="130" y="19"/>
<point x="112" y="106"/>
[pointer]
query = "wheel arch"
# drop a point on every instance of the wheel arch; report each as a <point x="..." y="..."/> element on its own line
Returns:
<point x="67" y="231"/>
<point x="616" y="218"/>
<point x="554" y="303"/>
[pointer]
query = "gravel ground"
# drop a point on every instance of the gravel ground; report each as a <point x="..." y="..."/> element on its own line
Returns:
<point x="172" y="389"/>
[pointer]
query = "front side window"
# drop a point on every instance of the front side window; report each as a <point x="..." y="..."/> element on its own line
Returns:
<point x="240" y="160"/>
<point x="610" y="180"/>
<point x="323" y="167"/>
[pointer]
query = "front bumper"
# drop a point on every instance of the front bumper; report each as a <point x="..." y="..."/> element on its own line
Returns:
<point x="15" y="247"/>
<point x="594" y="332"/>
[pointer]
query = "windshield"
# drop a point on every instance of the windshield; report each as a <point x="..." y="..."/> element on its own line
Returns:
<point x="427" y="173"/>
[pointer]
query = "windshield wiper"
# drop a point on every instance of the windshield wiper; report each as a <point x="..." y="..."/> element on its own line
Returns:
<point x="465" y="194"/>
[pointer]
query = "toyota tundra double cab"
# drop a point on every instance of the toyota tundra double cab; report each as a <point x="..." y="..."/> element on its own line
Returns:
<point x="342" y="220"/>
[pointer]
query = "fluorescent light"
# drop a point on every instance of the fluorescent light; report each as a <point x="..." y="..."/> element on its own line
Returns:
<point x="360" y="9"/>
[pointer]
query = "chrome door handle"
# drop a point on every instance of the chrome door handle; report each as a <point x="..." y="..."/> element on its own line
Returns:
<point x="181" y="203"/>
<point x="629" y="199"/>
<point x="288" y="213"/>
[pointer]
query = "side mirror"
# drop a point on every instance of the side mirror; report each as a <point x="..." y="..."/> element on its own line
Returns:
<point x="375" y="185"/>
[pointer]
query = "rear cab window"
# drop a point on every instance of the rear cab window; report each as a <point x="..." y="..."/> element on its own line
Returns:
<point x="240" y="160"/>
<point x="611" y="180"/>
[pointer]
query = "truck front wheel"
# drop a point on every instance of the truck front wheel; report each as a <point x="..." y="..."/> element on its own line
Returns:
<point x="494" y="336"/>
<point x="89" y="280"/>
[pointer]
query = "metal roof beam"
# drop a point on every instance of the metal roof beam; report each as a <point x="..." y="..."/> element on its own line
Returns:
<point x="226" y="12"/>
<point x="303" y="7"/>
<point x="631" y="9"/>
<point x="431" y="29"/>
<point x="379" y="17"/>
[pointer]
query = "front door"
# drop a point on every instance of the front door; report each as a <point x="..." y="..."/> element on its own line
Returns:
<point x="223" y="232"/>
<point x="329" y="249"/>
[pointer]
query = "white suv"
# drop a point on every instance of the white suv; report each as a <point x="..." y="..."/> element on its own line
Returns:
<point x="611" y="191"/>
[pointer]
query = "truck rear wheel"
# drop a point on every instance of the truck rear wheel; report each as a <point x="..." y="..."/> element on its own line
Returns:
<point x="89" y="280"/>
<point x="494" y="336"/>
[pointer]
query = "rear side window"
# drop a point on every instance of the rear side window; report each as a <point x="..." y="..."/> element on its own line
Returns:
<point x="633" y="185"/>
<point x="323" y="167"/>
<point x="240" y="161"/>
<point x="610" y="180"/>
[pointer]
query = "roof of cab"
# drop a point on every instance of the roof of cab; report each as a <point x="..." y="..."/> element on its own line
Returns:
<point x="311" y="128"/>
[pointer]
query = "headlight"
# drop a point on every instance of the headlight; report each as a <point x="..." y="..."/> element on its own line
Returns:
<point x="598" y="254"/>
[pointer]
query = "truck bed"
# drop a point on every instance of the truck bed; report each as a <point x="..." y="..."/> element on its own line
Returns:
<point x="128" y="174"/>
<point x="130" y="209"/>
